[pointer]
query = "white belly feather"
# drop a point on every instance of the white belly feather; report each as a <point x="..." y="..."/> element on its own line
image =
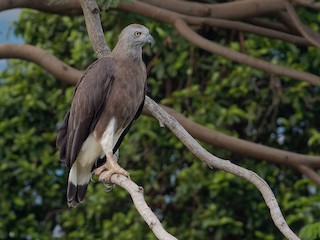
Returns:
<point x="91" y="150"/>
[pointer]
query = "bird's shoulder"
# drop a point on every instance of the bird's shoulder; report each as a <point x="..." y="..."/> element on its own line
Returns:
<point x="99" y="71"/>
<point x="91" y="91"/>
<point x="129" y="68"/>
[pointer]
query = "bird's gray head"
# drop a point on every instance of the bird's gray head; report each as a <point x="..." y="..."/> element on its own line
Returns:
<point x="136" y="35"/>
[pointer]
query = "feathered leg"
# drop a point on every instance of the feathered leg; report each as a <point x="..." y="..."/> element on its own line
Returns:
<point x="107" y="144"/>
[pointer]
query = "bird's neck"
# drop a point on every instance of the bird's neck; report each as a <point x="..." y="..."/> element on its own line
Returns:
<point x="124" y="51"/>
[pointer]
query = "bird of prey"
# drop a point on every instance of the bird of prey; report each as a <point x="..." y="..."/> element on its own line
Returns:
<point x="107" y="99"/>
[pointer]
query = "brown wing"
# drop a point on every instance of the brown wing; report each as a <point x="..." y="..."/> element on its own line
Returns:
<point x="101" y="161"/>
<point x="87" y="104"/>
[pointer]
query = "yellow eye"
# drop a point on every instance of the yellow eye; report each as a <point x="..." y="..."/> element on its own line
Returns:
<point x="137" y="34"/>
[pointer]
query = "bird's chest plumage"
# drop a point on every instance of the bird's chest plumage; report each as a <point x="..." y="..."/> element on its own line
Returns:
<point x="130" y="93"/>
<point x="125" y="97"/>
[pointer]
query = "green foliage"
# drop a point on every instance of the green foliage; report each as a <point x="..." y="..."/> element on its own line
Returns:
<point x="192" y="201"/>
<point x="107" y="4"/>
<point x="311" y="232"/>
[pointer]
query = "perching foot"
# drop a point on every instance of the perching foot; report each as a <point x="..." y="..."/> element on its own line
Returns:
<point x="112" y="167"/>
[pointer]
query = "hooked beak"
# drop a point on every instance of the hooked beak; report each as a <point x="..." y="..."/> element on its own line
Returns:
<point x="150" y="39"/>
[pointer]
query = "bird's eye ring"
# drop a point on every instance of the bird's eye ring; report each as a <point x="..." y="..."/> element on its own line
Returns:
<point x="137" y="34"/>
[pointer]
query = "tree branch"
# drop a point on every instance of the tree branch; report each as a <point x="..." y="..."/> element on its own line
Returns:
<point x="91" y="12"/>
<point x="67" y="7"/>
<point x="136" y="193"/>
<point x="212" y="47"/>
<point x="41" y="57"/>
<point x="215" y="162"/>
<point x="310" y="173"/>
<point x="308" y="3"/>
<point x="312" y="37"/>
<point x="245" y="8"/>
<point x="268" y="24"/>
<point x="262" y="31"/>
<point x="243" y="147"/>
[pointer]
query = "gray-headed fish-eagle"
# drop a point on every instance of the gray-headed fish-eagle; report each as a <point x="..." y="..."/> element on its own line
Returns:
<point x="107" y="99"/>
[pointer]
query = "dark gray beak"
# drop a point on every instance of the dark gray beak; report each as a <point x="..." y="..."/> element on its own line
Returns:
<point x="150" y="40"/>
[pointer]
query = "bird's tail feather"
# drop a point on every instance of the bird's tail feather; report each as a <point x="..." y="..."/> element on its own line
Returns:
<point x="79" y="178"/>
<point x="76" y="194"/>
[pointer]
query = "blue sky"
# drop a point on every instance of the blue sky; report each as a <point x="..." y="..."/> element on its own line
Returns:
<point x="6" y="30"/>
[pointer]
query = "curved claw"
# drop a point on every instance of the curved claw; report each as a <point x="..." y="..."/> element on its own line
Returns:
<point x="110" y="167"/>
<point x="108" y="186"/>
<point x="91" y="179"/>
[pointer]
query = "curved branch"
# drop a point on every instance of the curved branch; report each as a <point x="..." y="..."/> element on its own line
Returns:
<point x="268" y="24"/>
<point x="312" y="37"/>
<point x="215" y="162"/>
<point x="244" y="9"/>
<point x="308" y="3"/>
<point x="262" y="31"/>
<point x="215" y="48"/>
<point x="284" y="18"/>
<point x="136" y="193"/>
<point x="41" y="57"/>
<point x="300" y="162"/>
<point x="68" y="7"/>
<point x="147" y="10"/>
<point x="243" y="147"/>
<point x="310" y="173"/>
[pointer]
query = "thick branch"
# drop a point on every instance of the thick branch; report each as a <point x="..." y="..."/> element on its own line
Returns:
<point x="41" y="57"/>
<point x="268" y="24"/>
<point x="240" y="146"/>
<point x="244" y="9"/>
<point x="215" y="162"/>
<point x="68" y="7"/>
<point x="310" y="173"/>
<point x="312" y="37"/>
<point x="308" y="3"/>
<point x="262" y="31"/>
<point x="91" y="12"/>
<point x="215" y="48"/>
